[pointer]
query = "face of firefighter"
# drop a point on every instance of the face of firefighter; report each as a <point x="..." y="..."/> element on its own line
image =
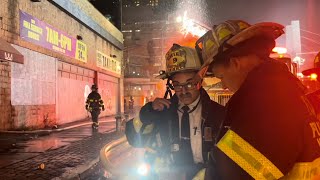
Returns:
<point x="185" y="88"/>
<point x="233" y="74"/>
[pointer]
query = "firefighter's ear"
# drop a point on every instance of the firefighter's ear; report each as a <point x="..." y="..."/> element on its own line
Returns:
<point x="235" y="63"/>
<point x="199" y="84"/>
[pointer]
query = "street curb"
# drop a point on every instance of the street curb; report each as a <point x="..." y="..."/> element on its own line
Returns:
<point x="48" y="131"/>
<point x="105" y="151"/>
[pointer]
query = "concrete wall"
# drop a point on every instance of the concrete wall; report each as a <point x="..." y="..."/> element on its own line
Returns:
<point x="34" y="82"/>
<point x="108" y="89"/>
<point x="5" y="98"/>
<point x="33" y="90"/>
<point x="73" y="88"/>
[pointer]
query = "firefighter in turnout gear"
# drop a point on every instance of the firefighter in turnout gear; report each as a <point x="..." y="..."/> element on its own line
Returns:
<point x="179" y="132"/>
<point x="94" y="104"/>
<point x="270" y="130"/>
<point x="314" y="97"/>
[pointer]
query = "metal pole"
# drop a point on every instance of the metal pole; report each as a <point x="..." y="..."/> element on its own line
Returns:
<point x="120" y="1"/>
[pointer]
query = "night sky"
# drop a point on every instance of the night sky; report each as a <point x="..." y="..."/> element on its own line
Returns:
<point x="109" y="8"/>
<point x="281" y="11"/>
<point x="211" y="12"/>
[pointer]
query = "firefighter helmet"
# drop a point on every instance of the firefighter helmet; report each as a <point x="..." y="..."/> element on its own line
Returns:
<point x="316" y="67"/>
<point x="94" y="87"/>
<point x="180" y="59"/>
<point x="227" y="35"/>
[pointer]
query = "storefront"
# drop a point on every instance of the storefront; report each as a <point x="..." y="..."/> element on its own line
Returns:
<point x="47" y="65"/>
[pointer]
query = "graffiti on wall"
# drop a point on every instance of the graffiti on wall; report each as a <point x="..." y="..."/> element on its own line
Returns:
<point x="87" y="91"/>
<point x="108" y="92"/>
<point x="108" y="103"/>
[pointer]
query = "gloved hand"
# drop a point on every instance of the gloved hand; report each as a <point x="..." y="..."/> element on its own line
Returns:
<point x="103" y="109"/>
<point x="159" y="104"/>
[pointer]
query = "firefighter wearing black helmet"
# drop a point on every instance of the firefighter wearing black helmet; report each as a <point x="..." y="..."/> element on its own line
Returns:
<point x="270" y="130"/>
<point x="94" y="104"/>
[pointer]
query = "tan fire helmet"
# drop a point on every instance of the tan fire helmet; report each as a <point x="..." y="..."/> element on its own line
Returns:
<point x="227" y="35"/>
<point x="180" y="59"/>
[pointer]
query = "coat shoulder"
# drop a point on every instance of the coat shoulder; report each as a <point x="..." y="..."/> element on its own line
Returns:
<point x="216" y="106"/>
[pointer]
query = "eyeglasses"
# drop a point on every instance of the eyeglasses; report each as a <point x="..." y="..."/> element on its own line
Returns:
<point x="187" y="86"/>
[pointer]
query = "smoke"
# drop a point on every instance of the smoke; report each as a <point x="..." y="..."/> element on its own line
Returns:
<point x="196" y="10"/>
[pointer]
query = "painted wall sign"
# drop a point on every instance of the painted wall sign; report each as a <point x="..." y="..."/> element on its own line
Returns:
<point x="8" y="56"/>
<point x="38" y="32"/>
<point x="108" y="63"/>
<point x="9" y="53"/>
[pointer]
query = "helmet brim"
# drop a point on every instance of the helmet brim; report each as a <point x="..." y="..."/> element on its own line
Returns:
<point x="167" y="75"/>
<point x="264" y="29"/>
<point x="308" y="72"/>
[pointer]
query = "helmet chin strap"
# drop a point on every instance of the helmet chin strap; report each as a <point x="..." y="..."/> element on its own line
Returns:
<point x="169" y="87"/>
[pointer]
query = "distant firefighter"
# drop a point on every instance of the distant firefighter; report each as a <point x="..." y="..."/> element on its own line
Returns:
<point x="94" y="104"/>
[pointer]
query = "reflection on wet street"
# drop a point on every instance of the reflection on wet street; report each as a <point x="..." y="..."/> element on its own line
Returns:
<point x="17" y="147"/>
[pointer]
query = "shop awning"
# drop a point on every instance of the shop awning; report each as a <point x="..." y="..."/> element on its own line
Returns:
<point x="9" y="53"/>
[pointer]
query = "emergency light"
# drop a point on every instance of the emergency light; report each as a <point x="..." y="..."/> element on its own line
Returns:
<point x="279" y="50"/>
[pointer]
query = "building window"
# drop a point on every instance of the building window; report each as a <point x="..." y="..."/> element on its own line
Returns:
<point x="104" y="61"/>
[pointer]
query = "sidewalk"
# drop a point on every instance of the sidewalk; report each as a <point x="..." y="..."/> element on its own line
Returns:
<point x="62" y="127"/>
<point x="65" y="162"/>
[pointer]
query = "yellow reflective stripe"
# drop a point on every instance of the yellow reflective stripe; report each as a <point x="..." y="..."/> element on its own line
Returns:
<point x="137" y="124"/>
<point x="200" y="175"/>
<point x="247" y="157"/>
<point x="304" y="171"/>
<point x="159" y="165"/>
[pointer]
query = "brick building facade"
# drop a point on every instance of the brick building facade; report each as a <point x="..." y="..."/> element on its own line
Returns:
<point x="67" y="46"/>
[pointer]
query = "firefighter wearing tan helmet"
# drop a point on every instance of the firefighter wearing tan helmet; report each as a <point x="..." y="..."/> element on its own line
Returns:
<point x="270" y="131"/>
<point x="180" y="130"/>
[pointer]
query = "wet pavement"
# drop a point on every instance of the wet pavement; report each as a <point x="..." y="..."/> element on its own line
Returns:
<point x="124" y="160"/>
<point x="64" y="155"/>
<point x="17" y="147"/>
<point x="56" y="154"/>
